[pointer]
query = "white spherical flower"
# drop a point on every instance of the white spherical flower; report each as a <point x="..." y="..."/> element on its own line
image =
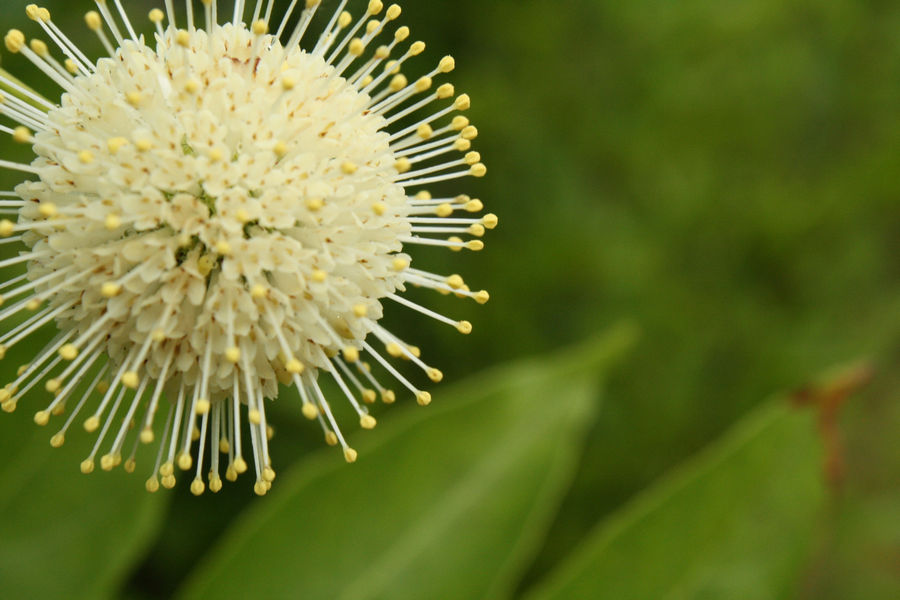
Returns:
<point x="221" y="211"/>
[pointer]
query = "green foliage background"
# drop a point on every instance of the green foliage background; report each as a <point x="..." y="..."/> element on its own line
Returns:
<point x="723" y="178"/>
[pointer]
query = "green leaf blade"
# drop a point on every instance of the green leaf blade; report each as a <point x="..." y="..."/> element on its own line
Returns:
<point x="737" y="522"/>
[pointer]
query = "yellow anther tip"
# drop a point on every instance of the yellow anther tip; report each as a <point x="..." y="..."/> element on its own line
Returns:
<point x="215" y="483"/>
<point x="58" y="440"/>
<point x="42" y="417"/>
<point x="260" y="27"/>
<point x="93" y="20"/>
<point x="360" y="311"/>
<point x="240" y="465"/>
<point x="310" y="411"/>
<point x="87" y="466"/>
<point x="185" y="461"/>
<point x="463" y="102"/>
<point x="423" y="398"/>
<point x="156" y="15"/>
<point x="152" y="485"/>
<point x="14" y="40"/>
<point x="21" y="135"/>
<point x="435" y="375"/>
<point x="68" y="352"/>
<point x="233" y="354"/>
<point x="367" y="422"/>
<point x="260" y="488"/>
<point x="294" y="366"/>
<point x="92" y="424"/>
<point x="319" y="276"/>
<point x="258" y="291"/>
<point x="202" y="406"/>
<point x="417" y="48"/>
<point x="314" y="204"/>
<point x="350" y="455"/>
<point x="331" y="438"/>
<point x="349" y="168"/>
<point x="52" y="385"/>
<point x="447" y="64"/>
<point x="478" y="170"/>
<point x="183" y="38"/>
<point x="400" y="264"/>
<point x="6" y="228"/>
<point x="351" y="354"/>
<point x="131" y="379"/>
<point x="403" y="165"/>
<point x="197" y="487"/>
<point x="254" y="416"/>
<point x="464" y="327"/>
<point x="490" y="221"/>
<point x="147" y="436"/>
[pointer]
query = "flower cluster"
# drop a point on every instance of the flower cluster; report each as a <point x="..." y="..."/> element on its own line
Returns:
<point x="222" y="211"/>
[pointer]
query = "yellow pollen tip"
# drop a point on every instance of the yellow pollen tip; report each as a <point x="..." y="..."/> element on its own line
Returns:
<point x="183" y="38"/>
<point x="393" y="12"/>
<point x="260" y="488"/>
<point x="58" y="440"/>
<point x="48" y="210"/>
<point x="375" y="7"/>
<point x="70" y="65"/>
<point x="423" y="398"/>
<point x="344" y="20"/>
<point x="107" y="462"/>
<point x="482" y="297"/>
<point x="462" y="145"/>
<point x="185" y="461"/>
<point x="350" y="455"/>
<point x="192" y="86"/>
<point x="147" y="435"/>
<point x="474" y="206"/>
<point x="280" y="149"/>
<point x="68" y="352"/>
<point x="469" y="133"/>
<point x="110" y="289"/>
<point x="447" y="64"/>
<point x="402" y="34"/>
<point x="215" y="483"/>
<point x="294" y="366"/>
<point x="314" y="204"/>
<point x="14" y="40"/>
<point x="379" y="208"/>
<point x="367" y="422"/>
<point x="87" y="466"/>
<point x="435" y="375"/>
<point x="93" y="20"/>
<point x="258" y="291"/>
<point x="268" y="474"/>
<point x="133" y="98"/>
<point x="357" y="47"/>
<point x="223" y="248"/>
<point x="33" y="12"/>
<point x="52" y="385"/>
<point x="130" y="380"/>
<point x="319" y="276"/>
<point x="477" y="230"/>
<point x="444" y="210"/>
<point x="394" y="349"/>
<point x="490" y="221"/>
<point x="42" y="417"/>
<point x="260" y="28"/>
<point x="158" y="335"/>
<point x="254" y="416"/>
<point x="349" y="168"/>
<point x="152" y="485"/>
<point x="21" y="135"/>
<point x="360" y="310"/>
<point x="39" y="48"/>
<point x="197" y="487"/>
<point x="403" y="165"/>
<point x="388" y="396"/>
<point x="86" y="157"/>
<point x="351" y="354"/>
<point x="464" y="327"/>
<point x="216" y="155"/>
<point x="310" y="411"/>
<point x="115" y="144"/>
<point x="233" y="354"/>
<point x="156" y="15"/>
<point x="423" y="84"/>
<point x="202" y="406"/>
<point x="331" y="438"/>
<point x="400" y="264"/>
<point x="143" y="145"/>
<point x="33" y="304"/>
<point x="455" y="281"/>
<point x="369" y="396"/>
<point x="240" y="465"/>
<point x="92" y="424"/>
<point x="478" y="170"/>
<point x="417" y="48"/>
<point x="475" y="245"/>
<point x="288" y="83"/>
<point x="463" y="102"/>
<point x="459" y="123"/>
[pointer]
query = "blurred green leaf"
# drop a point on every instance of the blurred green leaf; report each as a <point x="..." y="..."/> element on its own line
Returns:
<point x="64" y="534"/>
<point x="737" y="522"/>
<point x="449" y="502"/>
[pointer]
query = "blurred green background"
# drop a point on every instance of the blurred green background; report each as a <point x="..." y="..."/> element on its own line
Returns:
<point x="708" y="191"/>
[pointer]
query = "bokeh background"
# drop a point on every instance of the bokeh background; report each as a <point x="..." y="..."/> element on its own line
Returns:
<point x="708" y="188"/>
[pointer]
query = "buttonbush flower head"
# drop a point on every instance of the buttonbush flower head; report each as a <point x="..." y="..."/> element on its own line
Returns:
<point x="220" y="207"/>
